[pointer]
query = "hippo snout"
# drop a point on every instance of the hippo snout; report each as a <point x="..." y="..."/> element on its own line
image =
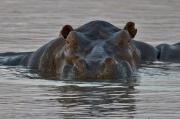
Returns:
<point x="110" y="68"/>
<point x="107" y="68"/>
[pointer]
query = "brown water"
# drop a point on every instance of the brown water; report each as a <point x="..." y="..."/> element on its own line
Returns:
<point x="26" y="25"/>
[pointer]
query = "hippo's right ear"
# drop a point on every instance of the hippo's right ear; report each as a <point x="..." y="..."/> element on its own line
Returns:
<point x="130" y="27"/>
<point x="65" y="31"/>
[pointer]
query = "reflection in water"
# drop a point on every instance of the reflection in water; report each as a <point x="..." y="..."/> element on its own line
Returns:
<point x="109" y="99"/>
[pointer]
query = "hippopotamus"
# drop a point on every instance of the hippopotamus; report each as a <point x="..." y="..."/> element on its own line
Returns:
<point x="161" y="52"/>
<point x="169" y="53"/>
<point x="96" y="50"/>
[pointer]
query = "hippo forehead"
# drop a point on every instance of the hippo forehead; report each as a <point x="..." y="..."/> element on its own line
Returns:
<point x="98" y="40"/>
<point x="95" y="33"/>
<point x="96" y="30"/>
<point x="98" y="48"/>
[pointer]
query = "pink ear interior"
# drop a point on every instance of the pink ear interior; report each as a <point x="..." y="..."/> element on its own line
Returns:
<point x="66" y="30"/>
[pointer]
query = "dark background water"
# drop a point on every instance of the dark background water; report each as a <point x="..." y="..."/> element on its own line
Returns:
<point x="26" y="25"/>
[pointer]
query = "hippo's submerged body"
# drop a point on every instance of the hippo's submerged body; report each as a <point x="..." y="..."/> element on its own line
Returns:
<point x="96" y="50"/>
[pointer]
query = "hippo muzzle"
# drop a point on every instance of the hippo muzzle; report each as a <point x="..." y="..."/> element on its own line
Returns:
<point x="107" y="68"/>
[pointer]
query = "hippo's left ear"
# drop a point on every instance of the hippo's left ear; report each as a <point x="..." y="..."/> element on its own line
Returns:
<point x="66" y="30"/>
<point x="130" y="27"/>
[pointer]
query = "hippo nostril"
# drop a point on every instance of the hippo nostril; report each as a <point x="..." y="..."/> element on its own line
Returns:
<point x="109" y="61"/>
<point x="80" y="65"/>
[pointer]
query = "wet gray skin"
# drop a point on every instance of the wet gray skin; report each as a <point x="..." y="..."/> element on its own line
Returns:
<point x="99" y="59"/>
<point x="169" y="53"/>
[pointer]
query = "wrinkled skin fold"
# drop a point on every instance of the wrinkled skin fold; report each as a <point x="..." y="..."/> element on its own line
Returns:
<point x="96" y="50"/>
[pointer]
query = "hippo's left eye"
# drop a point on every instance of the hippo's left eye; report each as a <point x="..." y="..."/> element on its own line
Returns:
<point x="72" y="43"/>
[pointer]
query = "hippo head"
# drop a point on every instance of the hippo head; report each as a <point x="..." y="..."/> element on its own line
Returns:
<point x="109" y="57"/>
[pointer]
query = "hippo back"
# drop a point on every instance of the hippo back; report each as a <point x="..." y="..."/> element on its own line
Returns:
<point x="169" y="53"/>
